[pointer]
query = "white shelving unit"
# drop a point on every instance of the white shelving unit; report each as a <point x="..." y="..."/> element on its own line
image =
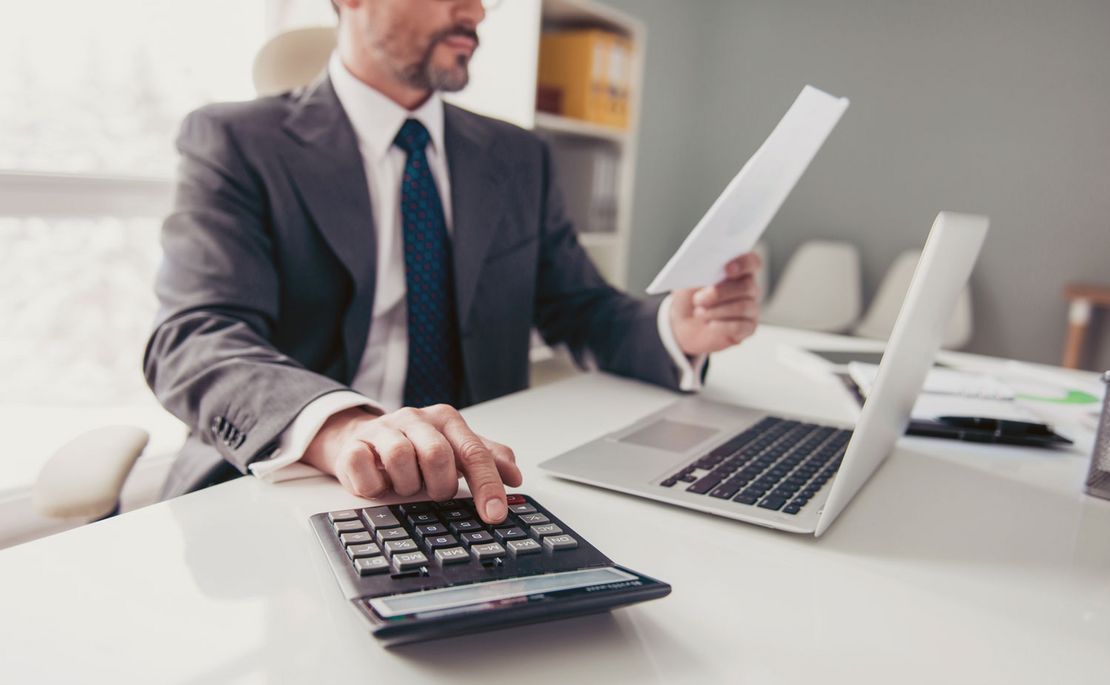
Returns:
<point x="560" y="125"/>
<point x="608" y="250"/>
<point x="503" y="77"/>
<point x="503" y="84"/>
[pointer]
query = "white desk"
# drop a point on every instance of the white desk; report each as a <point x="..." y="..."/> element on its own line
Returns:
<point x="956" y="564"/>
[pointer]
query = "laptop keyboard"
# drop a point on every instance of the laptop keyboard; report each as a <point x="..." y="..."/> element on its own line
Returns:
<point x="776" y="464"/>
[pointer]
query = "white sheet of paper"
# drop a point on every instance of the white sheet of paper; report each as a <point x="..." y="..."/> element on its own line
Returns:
<point x="737" y="219"/>
<point x="929" y="407"/>
<point x="940" y="381"/>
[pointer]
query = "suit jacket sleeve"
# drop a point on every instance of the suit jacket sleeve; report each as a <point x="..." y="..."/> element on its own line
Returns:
<point x="209" y="360"/>
<point x="575" y="306"/>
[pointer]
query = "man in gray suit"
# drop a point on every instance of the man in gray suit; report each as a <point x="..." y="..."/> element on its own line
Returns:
<point x="349" y="263"/>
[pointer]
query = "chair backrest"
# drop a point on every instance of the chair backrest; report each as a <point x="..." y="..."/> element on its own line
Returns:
<point x="879" y="320"/>
<point x="292" y="59"/>
<point x="819" y="288"/>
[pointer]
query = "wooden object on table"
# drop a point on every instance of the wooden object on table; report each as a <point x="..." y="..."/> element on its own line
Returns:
<point x="1082" y="298"/>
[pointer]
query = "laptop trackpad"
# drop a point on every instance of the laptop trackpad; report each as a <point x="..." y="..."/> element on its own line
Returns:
<point x="673" y="436"/>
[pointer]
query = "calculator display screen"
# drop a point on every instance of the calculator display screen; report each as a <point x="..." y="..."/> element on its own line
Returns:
<point x="495" y="591"/>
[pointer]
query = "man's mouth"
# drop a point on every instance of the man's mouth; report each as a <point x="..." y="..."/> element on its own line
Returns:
<point x="461" y="39"/>
<point x="459" y="43"/>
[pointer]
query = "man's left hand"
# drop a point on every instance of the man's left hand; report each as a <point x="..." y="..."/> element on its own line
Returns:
<point x="713" y="318"/>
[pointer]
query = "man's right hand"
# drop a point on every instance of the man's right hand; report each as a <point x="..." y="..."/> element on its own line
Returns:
<point x="405" y="450"/>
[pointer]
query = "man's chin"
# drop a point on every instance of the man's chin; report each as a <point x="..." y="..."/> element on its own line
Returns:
<point x="449" y="79"/>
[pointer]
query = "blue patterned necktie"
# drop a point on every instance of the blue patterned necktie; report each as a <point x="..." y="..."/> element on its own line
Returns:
<point x="435" y="365"/>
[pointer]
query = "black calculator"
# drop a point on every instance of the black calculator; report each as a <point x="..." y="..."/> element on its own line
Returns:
<point x="427" y="570"/>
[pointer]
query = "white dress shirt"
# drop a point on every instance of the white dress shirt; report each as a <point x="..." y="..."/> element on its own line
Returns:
<point x="376" y="119"/>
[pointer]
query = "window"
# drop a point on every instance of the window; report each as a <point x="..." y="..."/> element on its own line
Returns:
<point x="77" y="301"/>
<point x="99" y="87"/>
<point x="91" y="97"/>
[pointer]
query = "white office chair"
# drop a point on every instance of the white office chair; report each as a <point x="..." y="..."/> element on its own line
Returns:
<point x="819" y="289"/>
<point x="292" y="59"/>
<point x="878" y="322"/>
<point x="84" y="478"/>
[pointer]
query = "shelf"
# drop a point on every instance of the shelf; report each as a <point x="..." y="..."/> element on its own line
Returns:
<point x="577" y="13"/>
<point x="554" y="123"/>
<point x="599" y="239"/>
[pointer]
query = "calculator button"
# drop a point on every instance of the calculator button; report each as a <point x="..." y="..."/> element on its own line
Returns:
<point x="546" y="529"/>
<point x="431" y="529"/>
<point x="477" y="537"/>
<point x="465" y="526"/>
<point x="522" y="508"/>
<point x="344" y="515"/>
<point x="422" y="517"/>
<point x="394" y="547"/>
<point x="415" y="508"/>
<point x="452" y="504"/>
<point x="409" y="560"/>
<point x="506" y="534"/>
<point x="516" y="499"/>
<point x="438" y="541"/>
<point x="491" y="550"/>
<point x="452" y="555"/>
<point x="534" y="519"/>
<point x="348" y="526"/>
<point x="559" y="542"/>
<point x="355" y="538"/>
<point x="455" y="515"/>
<point x="520" y="547"/>
<point x="370" y="566"/>
<point x="360" y="551"/>
<point x="392" y="534"/>
<point x="380" y="517"/>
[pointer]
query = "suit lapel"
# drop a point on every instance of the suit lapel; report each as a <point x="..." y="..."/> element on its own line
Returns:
<point x="327" y="170"/>
<point x="476" y="202"/>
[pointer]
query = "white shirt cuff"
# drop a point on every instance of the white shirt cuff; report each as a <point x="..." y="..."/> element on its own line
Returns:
<point x="285" y="462"/>
<point x="690" y="370"/>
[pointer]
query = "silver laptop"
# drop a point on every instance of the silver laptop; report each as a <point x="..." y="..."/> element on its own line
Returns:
<point x="788" y="473"/>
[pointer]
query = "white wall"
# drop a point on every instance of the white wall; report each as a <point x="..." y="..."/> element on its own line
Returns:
<point x="1000" y="107"/>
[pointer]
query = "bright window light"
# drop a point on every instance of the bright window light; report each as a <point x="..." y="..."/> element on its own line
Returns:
<point x="100" y="87"/>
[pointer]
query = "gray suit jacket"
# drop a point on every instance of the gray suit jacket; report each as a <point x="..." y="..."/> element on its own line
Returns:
<point x="267" y="284"/>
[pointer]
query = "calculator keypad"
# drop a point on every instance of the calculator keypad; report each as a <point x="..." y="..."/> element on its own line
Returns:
<point x="367" y="550"/>
<point x="380" y="517"/>
<point x="528" y="546"/>
<point x="355" y="538"/>
<point x="424" y="570"/>
<point x="452" y="555"/>
<point x="558" y="542"/>
<point x="420" y="536"/>
<point x="371" y="566"/>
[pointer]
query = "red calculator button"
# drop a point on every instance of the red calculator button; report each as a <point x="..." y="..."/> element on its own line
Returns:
<point x="516" y="499"/>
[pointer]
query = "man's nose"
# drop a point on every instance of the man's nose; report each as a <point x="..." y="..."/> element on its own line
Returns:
<point x="470" y="12"/>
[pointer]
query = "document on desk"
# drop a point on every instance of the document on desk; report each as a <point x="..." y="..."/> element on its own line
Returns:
<point x="949" y="392"/>
<point x="737" y="219"/>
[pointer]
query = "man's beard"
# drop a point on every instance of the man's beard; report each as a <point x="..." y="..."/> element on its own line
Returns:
<point x="426" y="76"/>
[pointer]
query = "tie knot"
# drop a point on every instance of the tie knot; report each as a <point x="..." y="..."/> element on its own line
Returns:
<point x="412" y="137"/>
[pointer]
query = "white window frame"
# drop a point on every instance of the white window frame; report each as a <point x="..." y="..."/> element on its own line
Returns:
<point x="55" y="195"/>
